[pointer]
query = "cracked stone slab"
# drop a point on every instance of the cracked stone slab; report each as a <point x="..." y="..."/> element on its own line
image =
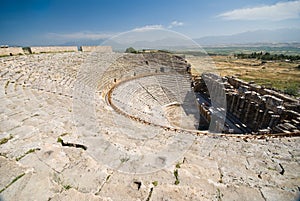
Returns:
<point x="86" y="175"/>
<point x="182" y="193"/>
<point x="54" y="156"/>
<point x="9" y="170"/>
<point x="120" y="187"/>
<point x="75" y="195"/>
<point x="30" y="187"/>
<point x="242" y="192"/>
<point x="274" y="194"/>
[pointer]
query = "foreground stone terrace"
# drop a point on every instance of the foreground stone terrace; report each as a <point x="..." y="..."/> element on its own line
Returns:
<point x="36" y="111"/>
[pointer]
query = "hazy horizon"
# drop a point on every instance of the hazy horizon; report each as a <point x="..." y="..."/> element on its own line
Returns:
<point x="61" y="22"/>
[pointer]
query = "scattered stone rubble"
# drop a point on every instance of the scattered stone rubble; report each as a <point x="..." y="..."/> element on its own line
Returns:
<point x="36" y="119"/>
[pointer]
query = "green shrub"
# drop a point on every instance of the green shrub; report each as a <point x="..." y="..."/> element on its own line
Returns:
<point x="292" y="90"/>
<point x="130" y="50"/>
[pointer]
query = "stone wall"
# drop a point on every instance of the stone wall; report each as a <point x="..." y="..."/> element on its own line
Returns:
<point x="10" y="51"/>
<point x="240" y="84"/>
<point x="48" y="49"/>
<point x="96" y="49"/>
<point x="6" y="51"/>
<point x="258" y="108"/>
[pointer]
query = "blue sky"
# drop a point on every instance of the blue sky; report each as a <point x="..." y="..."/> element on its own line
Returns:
<point x="39" y="22"/>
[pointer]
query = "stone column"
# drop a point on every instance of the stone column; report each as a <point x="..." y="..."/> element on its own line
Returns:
<point x="234" y="97"/>
<point x="246" y="111"/>
<point x="274" y="120"/>
<point x="228" y="101"/>
<point x="241" y="107"/>
<point x="236" y="107"/>
<point x="260" y="116"/>
<point x="266" y="119"/>
<point x="251" y="114"/>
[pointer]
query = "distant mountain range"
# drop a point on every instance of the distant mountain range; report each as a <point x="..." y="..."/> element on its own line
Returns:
<point x="259" y="36"/>
<point x="279" y="37"/>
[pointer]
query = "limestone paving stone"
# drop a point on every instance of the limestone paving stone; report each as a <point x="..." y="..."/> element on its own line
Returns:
<point x="30" y="187"/>
<point x="37" y="184"/>
<point x="122" y="187"/>
<point x="182" y="193"/>
<point x="85" y="175"/>
<point x="9" y="124"/>
<point x="274" y="194"/>
<point x="236" y="193"/>
<point x="75" y="195"/>
<point x="53" y="156"/>
<point x="9" y="170"/>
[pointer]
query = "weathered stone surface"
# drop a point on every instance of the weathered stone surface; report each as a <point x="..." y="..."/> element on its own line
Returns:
<point x="103" y="49"/>
<point x="48" y="49"/>
<point x="9" y="170"/>
<point x="11" y="51"/>
<point x="72" y="194"/>
<point x="37" y="113"/>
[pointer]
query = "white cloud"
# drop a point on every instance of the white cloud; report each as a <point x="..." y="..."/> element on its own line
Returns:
<point x="148" y="27"/>
<point x="175" y="24"/>
<point x="276" y="12"/>
<point x="80" y="35"/>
